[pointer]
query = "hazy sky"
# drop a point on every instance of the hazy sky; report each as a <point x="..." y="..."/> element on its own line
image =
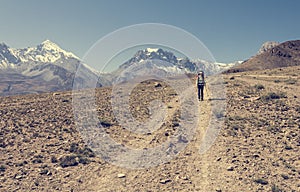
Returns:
<point x="231" y="29"/>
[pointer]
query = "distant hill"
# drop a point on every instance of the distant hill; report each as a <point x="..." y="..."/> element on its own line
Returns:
<point x="282" y="55"/>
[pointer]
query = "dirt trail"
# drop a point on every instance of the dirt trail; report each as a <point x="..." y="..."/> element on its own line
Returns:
<point x="201" y="180"/>
<point x="189" y="171"/>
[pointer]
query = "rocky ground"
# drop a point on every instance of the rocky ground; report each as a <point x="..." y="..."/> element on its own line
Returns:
<point x="257" y="148"/>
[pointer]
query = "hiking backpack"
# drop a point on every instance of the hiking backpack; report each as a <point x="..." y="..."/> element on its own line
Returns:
<point x="200" y="80"/>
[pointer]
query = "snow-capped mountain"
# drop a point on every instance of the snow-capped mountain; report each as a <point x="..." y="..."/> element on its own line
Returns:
<point x="179" y="65"/>
<point x="47" y="67"/>
<point x="45" y="52"/>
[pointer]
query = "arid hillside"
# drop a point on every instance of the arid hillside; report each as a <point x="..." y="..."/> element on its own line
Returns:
<point x="257" y="148"/>
<point x="283" y="55"/>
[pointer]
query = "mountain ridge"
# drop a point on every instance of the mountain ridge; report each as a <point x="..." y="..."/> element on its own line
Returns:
<point x="282" y="55"/>
<point x="183" y="64"/>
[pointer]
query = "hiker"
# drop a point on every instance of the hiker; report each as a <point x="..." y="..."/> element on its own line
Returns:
<point x="200" y="85"/>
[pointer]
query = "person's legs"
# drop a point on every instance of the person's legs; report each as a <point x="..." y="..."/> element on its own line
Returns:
<point x="199" y="92"/>
<point x="202" y="96"/>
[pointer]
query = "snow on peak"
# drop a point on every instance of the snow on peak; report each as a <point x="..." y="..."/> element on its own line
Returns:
<point x="47" y="51"/>
<point x="53" y="48"/>
<point x="49" y="45"/>
<point x="150" y="50"/>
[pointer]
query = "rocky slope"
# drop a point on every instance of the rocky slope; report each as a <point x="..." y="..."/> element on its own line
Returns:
<point x="282" y="55"/>
<point x="267" y="46"/>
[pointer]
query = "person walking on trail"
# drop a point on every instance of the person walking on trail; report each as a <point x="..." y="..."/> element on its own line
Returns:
<point x="200" y="85"/>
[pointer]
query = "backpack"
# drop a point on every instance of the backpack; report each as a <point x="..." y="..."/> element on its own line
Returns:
<point x="200" y="80"/>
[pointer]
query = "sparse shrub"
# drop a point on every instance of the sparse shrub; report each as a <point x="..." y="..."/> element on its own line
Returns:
<point x="20" y="164"/>
<point x="276" y="81"/>
<point x="70" y="160"/>
<point x="284" y="176"/>
<point x="235" y="118"/>
<point x="37" y="160"/>
<point x="273" y="129"/>
<point x="276" y="189"/>
<point x="2" y="168"/>
<point x="219" y="114"/>
<point x="105" y="123"/>
<point x="83" y="160"/>
<point x="291" y="81"/>
<point x="82" y="154"/>
<point x="73" y="148"/>
<point x="87" y="152"/>
<point x="261" y="181"/>
<point x="259" y="87"/>
<point x="272" y="95"/>
<point x="54" y="159"/>
<point x="297" y="108"/>
<point x="289" y="166"/>
<point x="235" y="129"/>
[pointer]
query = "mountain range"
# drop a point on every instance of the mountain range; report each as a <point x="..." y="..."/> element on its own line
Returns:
<point x="47" y="68"/>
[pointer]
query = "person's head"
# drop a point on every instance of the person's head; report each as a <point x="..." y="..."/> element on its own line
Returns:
<point x="200" y="73"/>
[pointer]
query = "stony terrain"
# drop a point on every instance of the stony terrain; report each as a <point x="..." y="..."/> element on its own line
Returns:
<point x="257" y="148"/>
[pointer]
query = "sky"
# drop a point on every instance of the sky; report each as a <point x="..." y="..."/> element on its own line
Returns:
<point x="231" y="29"/>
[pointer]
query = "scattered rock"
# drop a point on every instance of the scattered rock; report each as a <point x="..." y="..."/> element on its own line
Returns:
<point x="284" y="176"/>
<point x="164" y="181"/>
<point x="157" y="85"/>
<point x="261" y="181"/>
<point x="18" y="176"/>
<point x="121" y="175"/>
<point x="230" y="168"/>
<point x="185" y="178"/>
